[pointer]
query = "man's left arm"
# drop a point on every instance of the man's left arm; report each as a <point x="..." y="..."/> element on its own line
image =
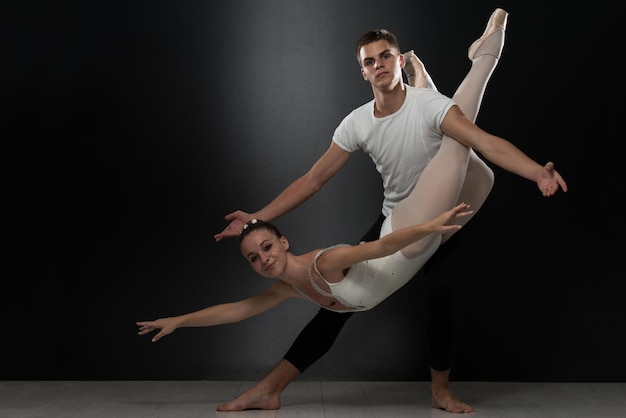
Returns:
<point x="501" y="152"/>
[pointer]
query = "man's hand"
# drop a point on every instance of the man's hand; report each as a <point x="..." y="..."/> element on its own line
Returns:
<point x="237" y="220"/>
<point x="549" y="180"/>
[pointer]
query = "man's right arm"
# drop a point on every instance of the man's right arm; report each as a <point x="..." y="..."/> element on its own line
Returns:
<point x="294" y="195"/>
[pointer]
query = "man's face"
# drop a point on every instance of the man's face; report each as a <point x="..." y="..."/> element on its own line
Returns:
<point x="381" y="64"/>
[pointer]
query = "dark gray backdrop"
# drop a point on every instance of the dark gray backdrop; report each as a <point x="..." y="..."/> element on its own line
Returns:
<point x="156" y="119"/>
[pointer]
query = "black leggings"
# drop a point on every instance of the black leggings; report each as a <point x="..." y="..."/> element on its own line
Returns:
<point x="321" y="332"/>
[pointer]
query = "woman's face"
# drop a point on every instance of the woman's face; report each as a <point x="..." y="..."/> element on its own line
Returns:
<point x="266" y="253"/>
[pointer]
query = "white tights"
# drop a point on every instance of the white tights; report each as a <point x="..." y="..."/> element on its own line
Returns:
<point x="456" y="174"/>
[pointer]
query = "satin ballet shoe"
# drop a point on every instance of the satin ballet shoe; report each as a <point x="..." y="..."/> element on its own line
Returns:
<point x="497" y="21"/>
<point x="416" y="73"/>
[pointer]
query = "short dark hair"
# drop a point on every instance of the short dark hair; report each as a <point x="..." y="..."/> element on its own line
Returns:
<point x="373" y="36"/>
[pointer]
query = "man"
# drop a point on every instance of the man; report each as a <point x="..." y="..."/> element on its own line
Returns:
<point x="381" y="64"/>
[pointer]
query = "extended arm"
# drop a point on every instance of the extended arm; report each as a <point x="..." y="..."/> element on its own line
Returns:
<point x="224" y="313"/>
<point x="294" y="195"/>
<point x="343" y="257"/>
<point x="501" y="152"/>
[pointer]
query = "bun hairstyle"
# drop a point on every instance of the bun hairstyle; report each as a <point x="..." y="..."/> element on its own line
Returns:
<point x="256" y="224"/>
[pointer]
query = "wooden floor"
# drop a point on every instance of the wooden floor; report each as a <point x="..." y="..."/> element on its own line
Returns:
<point x="155" y="399"/>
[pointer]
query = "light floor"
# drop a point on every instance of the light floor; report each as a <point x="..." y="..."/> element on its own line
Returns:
<point x="155" y="399"/>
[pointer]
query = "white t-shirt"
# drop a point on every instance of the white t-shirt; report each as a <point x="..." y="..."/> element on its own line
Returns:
<point x="401" y="144"/>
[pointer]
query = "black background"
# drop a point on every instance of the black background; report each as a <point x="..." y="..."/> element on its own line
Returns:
<point x="153" y="120"/>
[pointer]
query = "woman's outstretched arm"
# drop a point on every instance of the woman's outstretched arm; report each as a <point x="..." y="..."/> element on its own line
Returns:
<point x="344" y="257"/>
<point x="224" y="313"/>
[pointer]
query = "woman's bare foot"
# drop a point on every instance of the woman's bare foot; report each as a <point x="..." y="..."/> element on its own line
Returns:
<point x="251" y="399"/>
<point x="445" y="399"/>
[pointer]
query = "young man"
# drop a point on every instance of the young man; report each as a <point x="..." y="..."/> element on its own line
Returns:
<point x="382" y="64"/>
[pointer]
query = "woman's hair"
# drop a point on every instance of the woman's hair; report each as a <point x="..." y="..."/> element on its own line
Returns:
<point x="373" y="36"/>
<point x="256" y="224"/>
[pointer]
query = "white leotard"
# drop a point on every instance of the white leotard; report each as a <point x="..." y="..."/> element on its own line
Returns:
<point x="370" y="282"/>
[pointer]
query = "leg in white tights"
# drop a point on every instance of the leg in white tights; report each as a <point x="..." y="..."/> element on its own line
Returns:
<point x="445" y="179"/>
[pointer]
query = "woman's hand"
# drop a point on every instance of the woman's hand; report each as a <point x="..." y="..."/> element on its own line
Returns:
<point x="166" y="325"/>
<point x="440" y="223"/>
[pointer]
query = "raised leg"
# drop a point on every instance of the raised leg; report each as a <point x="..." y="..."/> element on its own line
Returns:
<point x="446" y="175"/>
<point x="415" y="71"/>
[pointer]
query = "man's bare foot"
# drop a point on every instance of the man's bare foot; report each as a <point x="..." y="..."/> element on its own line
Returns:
<point x="266" y="393"/>
<point x="251" y="399"/>
<point x="445" y="399"/>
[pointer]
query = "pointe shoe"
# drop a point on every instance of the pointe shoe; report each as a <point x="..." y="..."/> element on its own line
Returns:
<point x="497" y="21"/>
<point x="416" y="73"/>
